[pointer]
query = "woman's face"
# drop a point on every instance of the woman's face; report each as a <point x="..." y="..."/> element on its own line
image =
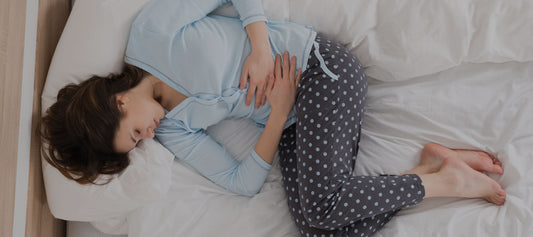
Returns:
<point x="141" y="116"/>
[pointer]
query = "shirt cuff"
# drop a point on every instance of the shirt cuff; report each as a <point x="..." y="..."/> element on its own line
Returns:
<point x="254" y="18"/>
<point x="260" y="161"/>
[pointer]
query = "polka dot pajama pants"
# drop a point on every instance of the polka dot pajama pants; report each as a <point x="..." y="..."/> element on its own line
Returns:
<point x="318" y="153"/>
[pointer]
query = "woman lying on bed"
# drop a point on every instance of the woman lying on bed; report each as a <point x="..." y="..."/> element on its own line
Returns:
<point x="189" y="70"/>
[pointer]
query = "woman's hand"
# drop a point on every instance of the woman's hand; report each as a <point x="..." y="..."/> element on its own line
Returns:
<point x="280" y="92"/>
<point x="256" y="69"/>
<point x="282" y="85"/>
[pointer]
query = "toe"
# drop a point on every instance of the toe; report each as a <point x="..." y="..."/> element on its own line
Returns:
<point x="498" y="197"/>
<point x="493" y="166"/>
<point x="489" y="164"/>
<point x="497" y="169"/>
<point x="496" y="161"/>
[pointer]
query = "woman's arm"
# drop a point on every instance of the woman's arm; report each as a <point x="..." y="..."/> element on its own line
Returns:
<point x="281" y="93"/>
<point x="155" y="30"/>
<point x="211" y="159"/>
<point x="268" y="142"/>
<point x="164" y="16"/>
<point x="258" y="65"/>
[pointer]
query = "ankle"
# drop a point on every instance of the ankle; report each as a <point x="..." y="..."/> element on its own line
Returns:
<point x="441" y="184"/>
<point x="419" y="170"/>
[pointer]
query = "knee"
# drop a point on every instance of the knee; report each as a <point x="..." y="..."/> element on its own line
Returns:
<point x="315" y="219"/>
<point x="361" y="74"/>
<point x="318" y="215"/>
<point x="355" y="76"/>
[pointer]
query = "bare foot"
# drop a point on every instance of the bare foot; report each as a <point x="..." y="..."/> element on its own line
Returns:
<point x="460" y="180"/>
<point x="433" y="155"/>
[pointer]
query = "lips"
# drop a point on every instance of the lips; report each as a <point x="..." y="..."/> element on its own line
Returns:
<point x="156" y="123"/>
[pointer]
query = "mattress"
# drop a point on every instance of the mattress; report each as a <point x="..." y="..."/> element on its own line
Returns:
<point x="457" y="73"/>
<point x="474" y="106"/>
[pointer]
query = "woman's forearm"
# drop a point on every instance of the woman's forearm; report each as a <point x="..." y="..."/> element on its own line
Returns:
<point x="268" y="142"/>
<point x="258" y="34"/>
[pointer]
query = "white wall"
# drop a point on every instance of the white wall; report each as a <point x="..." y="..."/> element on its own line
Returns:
<point x="25" y="122"/>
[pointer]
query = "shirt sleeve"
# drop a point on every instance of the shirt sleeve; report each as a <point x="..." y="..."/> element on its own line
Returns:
<point x="211" y="159"/>
<point x="250" y="11"/>
<point x="172" y="15"/>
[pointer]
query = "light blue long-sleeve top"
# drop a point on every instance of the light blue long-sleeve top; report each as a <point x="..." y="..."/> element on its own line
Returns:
<point x="201" y="56"/>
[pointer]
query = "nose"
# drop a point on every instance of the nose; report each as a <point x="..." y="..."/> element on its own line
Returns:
<point x="148" y="133"/>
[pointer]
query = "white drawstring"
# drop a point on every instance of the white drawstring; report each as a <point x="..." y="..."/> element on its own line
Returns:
<point x="323" y="64"/>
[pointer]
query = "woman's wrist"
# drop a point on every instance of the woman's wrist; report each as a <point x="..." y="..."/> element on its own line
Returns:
<point x="258" y="35"/>
<point x="268" y="142"/>
<point x="278" y="116"/>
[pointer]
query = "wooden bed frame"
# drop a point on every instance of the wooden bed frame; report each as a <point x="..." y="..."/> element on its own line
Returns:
<point x="52" y="16"/>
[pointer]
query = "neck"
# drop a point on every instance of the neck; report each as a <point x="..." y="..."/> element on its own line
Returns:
<point x="155" y="86"/>
<point x="164" y="94"/>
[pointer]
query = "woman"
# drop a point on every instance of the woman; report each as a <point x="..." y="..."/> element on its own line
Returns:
<point x="190" y="70"/>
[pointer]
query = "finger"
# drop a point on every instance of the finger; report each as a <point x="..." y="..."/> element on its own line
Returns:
<point x="265" y="97"/>
<point x="259" y="96"/>
<point x="285" y="65"/>
<point x="277" y="67"/>
<point x="244" y="77"/>
<point x="263" y="100"/>
<point x="270" y="84"/>
<point x="298" y="77"/>
<point x="250" y="95"/>
<point x="292" y="69"/>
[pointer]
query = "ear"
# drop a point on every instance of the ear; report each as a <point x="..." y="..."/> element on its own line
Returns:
<point x="122" y="100"/>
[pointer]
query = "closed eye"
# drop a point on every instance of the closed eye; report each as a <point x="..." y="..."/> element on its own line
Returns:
<point x="133" y="139"/>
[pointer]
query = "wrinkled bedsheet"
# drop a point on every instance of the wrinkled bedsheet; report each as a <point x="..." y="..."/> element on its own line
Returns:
<point x="458" y="73"/>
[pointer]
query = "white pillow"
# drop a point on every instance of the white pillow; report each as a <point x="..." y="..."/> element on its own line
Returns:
<point x="404" y="39"/>
<point x="147" y="178"/>
<point x="93" y="43"/>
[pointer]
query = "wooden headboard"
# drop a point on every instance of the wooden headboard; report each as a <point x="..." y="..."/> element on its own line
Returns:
<point x="52" y="17"/>
<point x="20" y="161"/>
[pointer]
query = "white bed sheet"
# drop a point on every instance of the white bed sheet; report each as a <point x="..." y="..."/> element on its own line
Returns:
<point x="474" y="106"/>
<point x="458" y="73"/>
<point x="85" y="229"/>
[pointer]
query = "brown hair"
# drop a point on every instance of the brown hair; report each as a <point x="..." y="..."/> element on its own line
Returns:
<point x="79" y="128"/>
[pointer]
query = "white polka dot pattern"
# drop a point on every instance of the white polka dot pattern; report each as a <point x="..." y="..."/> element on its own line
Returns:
<point x="318" y="154"/>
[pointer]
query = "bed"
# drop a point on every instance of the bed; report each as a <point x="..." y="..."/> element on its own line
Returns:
<point x="457" y="73"/>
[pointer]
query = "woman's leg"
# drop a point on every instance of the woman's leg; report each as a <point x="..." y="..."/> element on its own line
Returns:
<point x="457" y="173"/>
<point x="287" y="153"/>
<point x="363" y="227"/>
<point x="318" y="162"/>
<point x="318" y="155"/>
